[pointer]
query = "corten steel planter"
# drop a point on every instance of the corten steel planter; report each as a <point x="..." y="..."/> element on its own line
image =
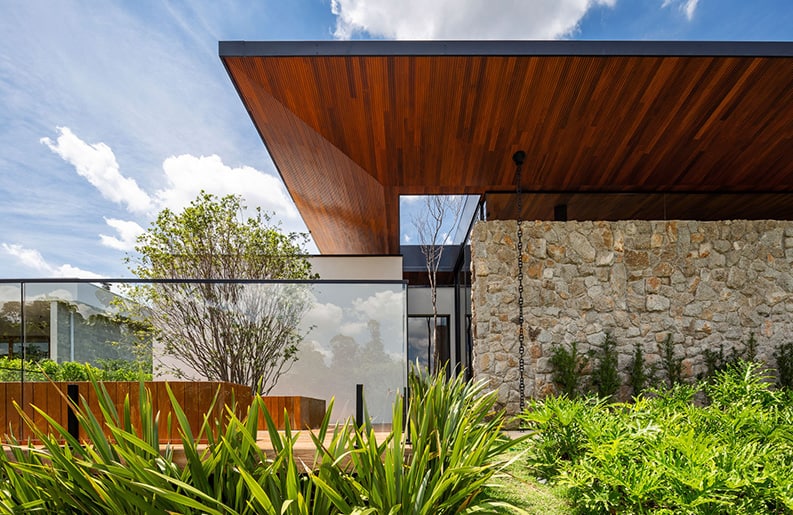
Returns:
<point x="195" y="398"/>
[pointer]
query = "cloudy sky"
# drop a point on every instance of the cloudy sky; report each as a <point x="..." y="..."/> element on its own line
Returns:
<point x="111" y="111"/>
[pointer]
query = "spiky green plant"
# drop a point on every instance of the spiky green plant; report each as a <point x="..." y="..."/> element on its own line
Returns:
<point x="121" y="468"/>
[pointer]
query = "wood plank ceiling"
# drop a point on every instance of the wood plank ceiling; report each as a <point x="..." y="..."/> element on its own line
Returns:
<point x="350" y="133"/>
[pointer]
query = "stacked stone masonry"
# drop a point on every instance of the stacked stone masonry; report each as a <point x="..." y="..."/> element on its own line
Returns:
<point x="705" y="283"/>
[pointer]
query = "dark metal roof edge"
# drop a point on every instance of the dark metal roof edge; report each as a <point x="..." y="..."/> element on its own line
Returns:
<point x="114" y="280"/>
<point x="506" y="48"/>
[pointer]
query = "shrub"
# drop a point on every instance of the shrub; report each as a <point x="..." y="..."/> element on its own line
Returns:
<point x="784" y="365"/>
<point x="48" y="370"/>
<point x="556" y="426"/>
<point x="568" y="366"/>
<point x="718" y="361"/>
<point x="605" y="374"/>
<point x="670" y="364"/>
<point x="663" y="454"/>
<point x="638" y="375"/>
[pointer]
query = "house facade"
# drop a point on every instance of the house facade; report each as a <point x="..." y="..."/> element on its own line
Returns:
<point x="653" y="199"/>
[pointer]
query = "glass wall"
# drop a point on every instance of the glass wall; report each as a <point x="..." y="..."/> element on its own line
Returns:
<point x="344" y="333"/>
<point x="355" y="335"/>
<point x="420" y="337"/>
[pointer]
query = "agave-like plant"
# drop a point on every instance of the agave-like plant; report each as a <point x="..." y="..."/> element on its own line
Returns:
<point x="120" y="467"/>
<point x="454" y="450"/>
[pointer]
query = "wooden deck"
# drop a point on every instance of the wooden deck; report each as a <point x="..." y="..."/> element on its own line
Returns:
<point x="304" y="449"/>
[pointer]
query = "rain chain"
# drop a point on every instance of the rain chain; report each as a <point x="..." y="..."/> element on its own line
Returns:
<point x="518" y="158"/>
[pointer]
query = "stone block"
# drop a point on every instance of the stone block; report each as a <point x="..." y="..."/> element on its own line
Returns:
<point x="581" y="246"/>
<point x="657" y="303"/>
<point x="634" y="259"/>
<point x="605" y="259"/>
<point x="656" y="240"/>
<point x="652" y="284"/>
<point x="556" y="252"/>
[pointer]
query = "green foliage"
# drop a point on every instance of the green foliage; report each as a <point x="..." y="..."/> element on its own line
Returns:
<point x="670" y="364"/>
<point x="225" y="330"/>
<point x="718" y="361"/>
<point x="567" y="368"/>
<point x="212" y="239"/>
<point x="48" y="370"/>
<point x="663" y="454"/>
<point x="639" y="377"/>
<point x="457" y="447"/>
<point x="456" y="444"/>
<point x="783" y="355"/>
<point x="605" y="376"/>
<point x="557" y="425"/>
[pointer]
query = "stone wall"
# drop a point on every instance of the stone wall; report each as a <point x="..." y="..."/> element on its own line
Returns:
<point x="705" y="283"/>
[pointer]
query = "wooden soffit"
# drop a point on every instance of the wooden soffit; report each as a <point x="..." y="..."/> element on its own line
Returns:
<point x="352" y="125"/>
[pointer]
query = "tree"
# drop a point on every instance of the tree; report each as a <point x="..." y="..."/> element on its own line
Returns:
<point x="224" y="329"/>
<point x="441" y="214"/>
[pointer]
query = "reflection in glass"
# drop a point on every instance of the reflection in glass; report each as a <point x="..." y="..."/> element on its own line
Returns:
<point x="420" y="336"/>
<point x="355" y="333"/>
<point x="357" y="336"/>
<point x="76" y="322"/>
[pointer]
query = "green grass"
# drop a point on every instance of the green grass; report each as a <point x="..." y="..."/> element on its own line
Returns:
<point x="515" y="485"/>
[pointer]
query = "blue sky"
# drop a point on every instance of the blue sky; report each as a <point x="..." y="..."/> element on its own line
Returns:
<point x="110" y="112"/>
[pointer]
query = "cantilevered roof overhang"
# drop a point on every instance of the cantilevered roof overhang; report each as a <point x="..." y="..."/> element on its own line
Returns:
<point x="351" y="126"/>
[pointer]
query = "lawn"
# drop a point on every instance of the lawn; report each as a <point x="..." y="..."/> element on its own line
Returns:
<point x="518" y="487"/>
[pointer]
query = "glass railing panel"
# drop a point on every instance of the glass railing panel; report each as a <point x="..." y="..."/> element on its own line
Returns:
<point x="77" y="321"/>
<point x="10" y="319"/>
<point x="355" y="335"/>
<point x="353" y="332"/>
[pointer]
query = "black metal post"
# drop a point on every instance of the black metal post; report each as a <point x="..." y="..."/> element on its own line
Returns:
<point x="405" y="413"/>
<point x="73" y="426"/>
<point x="359" y="405"/>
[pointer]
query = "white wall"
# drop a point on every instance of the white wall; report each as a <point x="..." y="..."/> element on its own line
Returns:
<point x="364" y="268"/>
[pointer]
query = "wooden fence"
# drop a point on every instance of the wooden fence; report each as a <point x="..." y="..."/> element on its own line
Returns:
<point x="194" y="397"/>
<point x="303" y="412"/>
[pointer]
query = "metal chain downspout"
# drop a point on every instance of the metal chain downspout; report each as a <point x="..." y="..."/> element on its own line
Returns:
<point x="518" y="158"/>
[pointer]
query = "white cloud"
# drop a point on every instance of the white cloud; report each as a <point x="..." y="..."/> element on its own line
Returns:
<point x="353" y="329"/>
<point x="98" y="165"/>
<point x="686" y="6"/>
<point x="323" y="315"/>
<point x="452" y="19"/>
<point x="373" y="307"/>
<point x="184" y="177"/>
<point x="187" y="175"/>
<point x="128" y="232"/>
<point x="33" y="259"/>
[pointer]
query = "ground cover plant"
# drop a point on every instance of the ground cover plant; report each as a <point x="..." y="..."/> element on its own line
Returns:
<point x="11" y="369"/>
<point x="665" y="454"/>
<point x="457" y="447"/>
